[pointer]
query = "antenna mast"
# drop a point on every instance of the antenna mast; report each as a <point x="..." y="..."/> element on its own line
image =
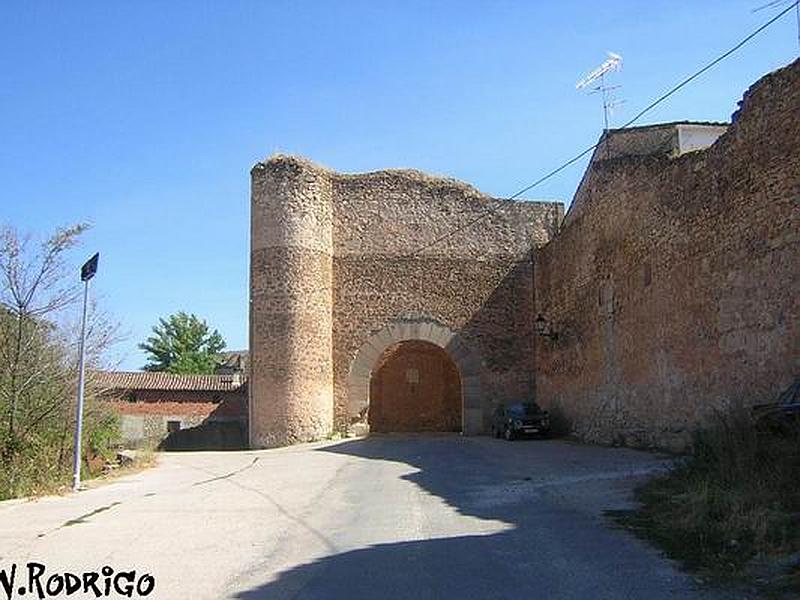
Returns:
<point x="612" y="63"/>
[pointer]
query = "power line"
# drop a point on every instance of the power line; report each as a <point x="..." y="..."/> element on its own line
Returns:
<point x="492" y="210"/>
<point x="714" y="62"/>
<point x="776" y="3"/>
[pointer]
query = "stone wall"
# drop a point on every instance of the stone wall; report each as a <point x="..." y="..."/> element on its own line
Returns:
<point x="337" y="258"/>
<point x="410" y="246"/>
<point x="145" y="414"/>
<point x="290" y="303"/>
<point x="674" y="285"/>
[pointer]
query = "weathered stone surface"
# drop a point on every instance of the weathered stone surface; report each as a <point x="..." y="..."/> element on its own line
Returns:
<point x="675" y="282"/>
<point x="291" y="291"/>
<point x="345" y="265"/>
<point x="673" y="286"/>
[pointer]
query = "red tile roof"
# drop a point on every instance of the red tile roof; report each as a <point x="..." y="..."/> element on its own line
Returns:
<point x="145" y="380"/>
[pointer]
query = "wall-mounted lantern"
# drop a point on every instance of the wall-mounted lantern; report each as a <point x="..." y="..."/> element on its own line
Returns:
<point x="543" y="328"/>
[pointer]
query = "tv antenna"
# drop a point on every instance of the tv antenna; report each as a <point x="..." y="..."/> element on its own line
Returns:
<point x="596" y="82"/>
<point x="776" y="4"/>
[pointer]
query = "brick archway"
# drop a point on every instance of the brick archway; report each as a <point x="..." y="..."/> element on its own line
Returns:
<point x="468" y="364"/>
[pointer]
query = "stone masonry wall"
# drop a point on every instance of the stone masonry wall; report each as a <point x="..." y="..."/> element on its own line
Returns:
<point x="336" y="258"/>
<point x="675" y="289"/>
<point x="291" y="383"/>
<point x="476" y="282"/>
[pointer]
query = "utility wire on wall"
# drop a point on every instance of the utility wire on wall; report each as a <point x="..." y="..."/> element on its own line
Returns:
<point x="489" y="210"/>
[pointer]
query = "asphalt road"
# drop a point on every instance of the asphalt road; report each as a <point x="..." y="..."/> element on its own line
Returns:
<point x="378" y="518"/>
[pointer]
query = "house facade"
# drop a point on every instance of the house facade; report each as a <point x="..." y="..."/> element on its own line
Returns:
<point x="177" y="410"/>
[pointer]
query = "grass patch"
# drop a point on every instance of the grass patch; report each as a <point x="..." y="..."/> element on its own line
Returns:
<point x="41" y="475"/>
<point x="40" y="462"/>
<point x="734" y="502"/>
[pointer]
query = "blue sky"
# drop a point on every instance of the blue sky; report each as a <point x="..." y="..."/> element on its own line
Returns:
<point x="145" y="117"/>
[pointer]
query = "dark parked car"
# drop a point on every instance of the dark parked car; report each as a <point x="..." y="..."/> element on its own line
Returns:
<point x="516" y="419"/>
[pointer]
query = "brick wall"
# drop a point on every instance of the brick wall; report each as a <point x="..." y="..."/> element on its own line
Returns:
<point x="188" y="402"/>
<point x="145" y="413"/>
<point x="675" y="282"/>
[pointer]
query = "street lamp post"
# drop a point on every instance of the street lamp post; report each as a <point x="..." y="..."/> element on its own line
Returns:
<point x="87" y="272"/>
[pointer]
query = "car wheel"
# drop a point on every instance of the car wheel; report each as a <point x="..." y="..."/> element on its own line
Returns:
<point x="508" y="434"/>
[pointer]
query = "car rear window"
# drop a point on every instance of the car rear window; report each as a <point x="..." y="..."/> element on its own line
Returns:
<point x="523" y="408"/>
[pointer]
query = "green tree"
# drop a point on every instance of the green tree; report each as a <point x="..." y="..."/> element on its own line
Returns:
<point x="183" y="343"/>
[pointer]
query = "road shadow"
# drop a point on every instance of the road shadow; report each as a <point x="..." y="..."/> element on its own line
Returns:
<point x="209" y="435"/>
<point x="555" y="545"/>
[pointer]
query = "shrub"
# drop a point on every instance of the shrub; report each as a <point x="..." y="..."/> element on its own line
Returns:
<point x="42" y="464"/>
<point x="734" y="499"/>
<point x="104" y="434"/>
<point x="40" y="296"/>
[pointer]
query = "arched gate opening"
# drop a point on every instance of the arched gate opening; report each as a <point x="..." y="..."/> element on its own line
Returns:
<point x="468" y="367"/>
<point x="415" y="386"/>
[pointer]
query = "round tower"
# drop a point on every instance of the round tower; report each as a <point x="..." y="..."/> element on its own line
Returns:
<point x="291" y="301"/>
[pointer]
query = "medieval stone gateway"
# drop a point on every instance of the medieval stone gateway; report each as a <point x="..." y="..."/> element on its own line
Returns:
<point x="669" y="290"/>
<point x="343" y="266"/>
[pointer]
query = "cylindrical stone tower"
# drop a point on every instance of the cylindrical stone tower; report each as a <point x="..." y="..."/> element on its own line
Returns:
<point x="291" y="301"/>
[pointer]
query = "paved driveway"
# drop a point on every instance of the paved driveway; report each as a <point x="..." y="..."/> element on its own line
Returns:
<point x="384" y="517"/>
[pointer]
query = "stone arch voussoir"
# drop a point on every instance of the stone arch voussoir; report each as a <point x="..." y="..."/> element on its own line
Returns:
<point x="427" y="330"/>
